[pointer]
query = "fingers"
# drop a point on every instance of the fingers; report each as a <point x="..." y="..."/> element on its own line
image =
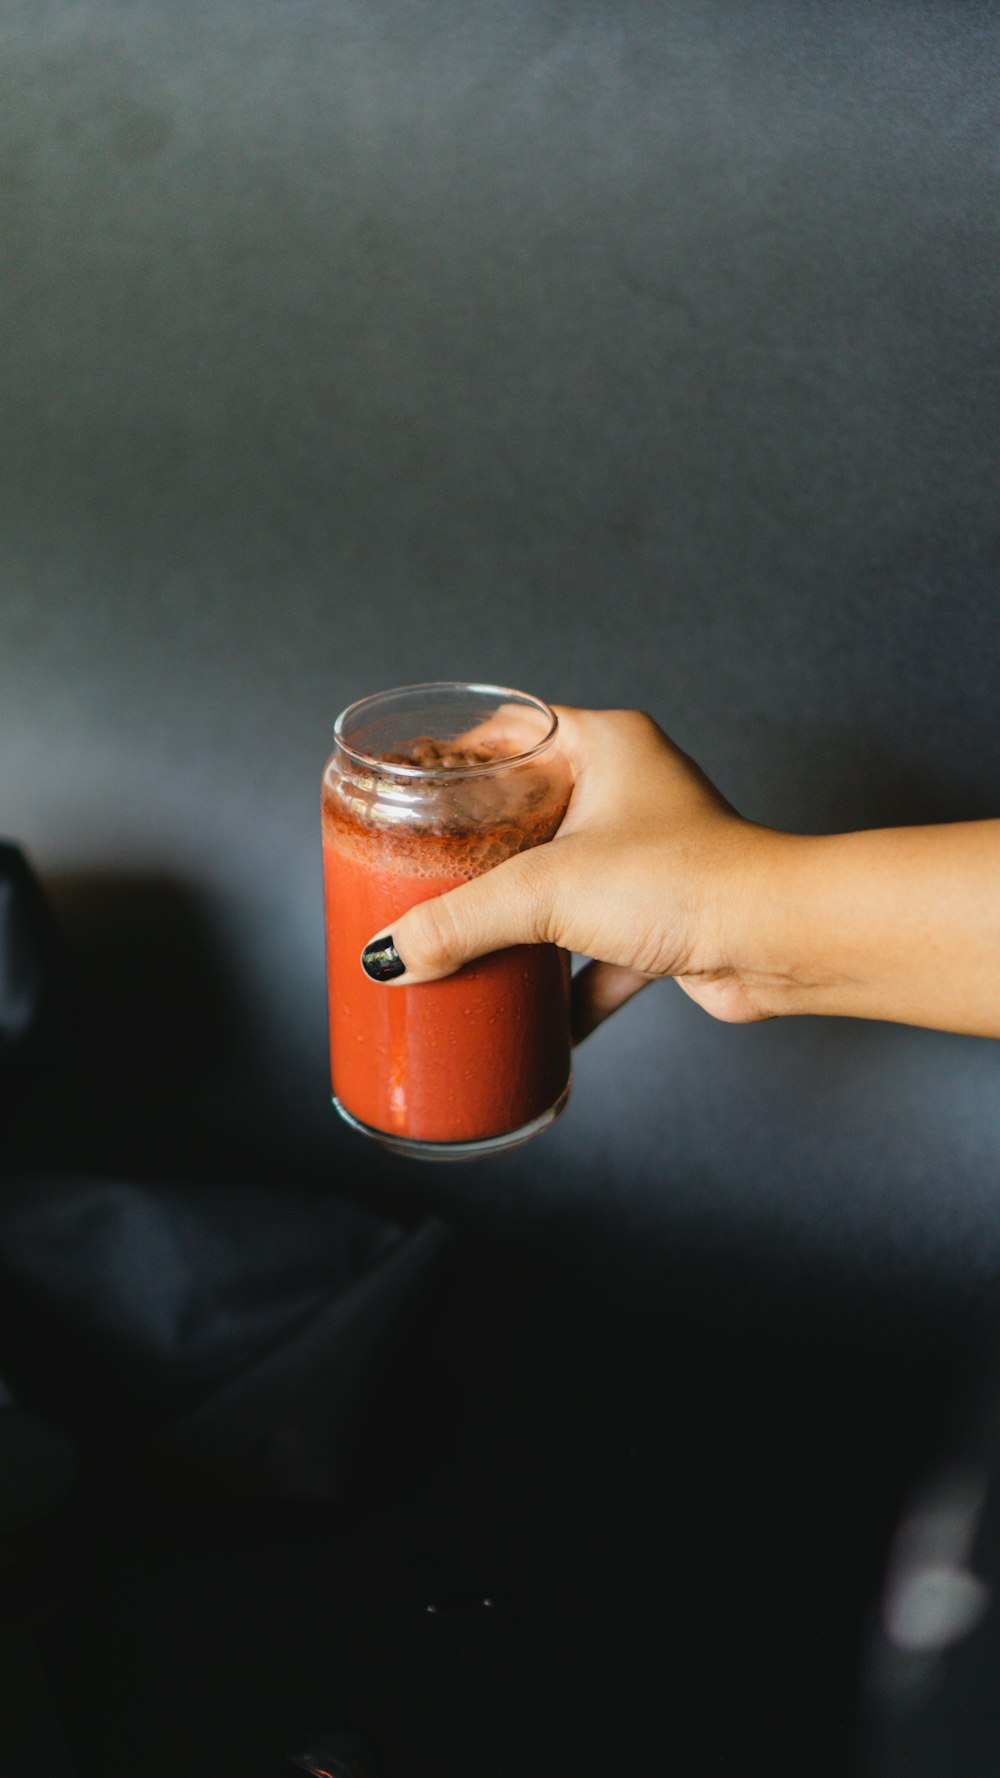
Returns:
<point x="599" y="989"/>
<point x="515" y="728"/>
<point x="512" y="728"/>
<point x="509" y="905"/>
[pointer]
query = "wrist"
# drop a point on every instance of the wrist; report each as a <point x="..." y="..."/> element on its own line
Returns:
<point x="893" y="924"/>
<point x="767" y="946"/>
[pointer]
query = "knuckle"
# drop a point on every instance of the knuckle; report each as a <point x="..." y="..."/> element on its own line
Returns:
<point x="432" y="935"/>
<point x="639" y="721"/>
<point x="631" y="727"/>
<point x="534" y="892"/>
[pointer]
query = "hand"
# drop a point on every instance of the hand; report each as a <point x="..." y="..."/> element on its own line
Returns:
<point x="643" y="877"/>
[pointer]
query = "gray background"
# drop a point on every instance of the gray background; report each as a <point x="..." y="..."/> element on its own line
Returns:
<point x="628" y="353"/>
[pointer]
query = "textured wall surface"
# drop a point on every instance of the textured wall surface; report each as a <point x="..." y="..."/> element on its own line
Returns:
<point x="632" y="354"/>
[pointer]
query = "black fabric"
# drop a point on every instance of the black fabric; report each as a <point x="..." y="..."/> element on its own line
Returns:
<point x="32" y="1741"/>
<point x="194" y="1335"/>
<point x="674" y="1491"/>
<point x="30" y="965"/>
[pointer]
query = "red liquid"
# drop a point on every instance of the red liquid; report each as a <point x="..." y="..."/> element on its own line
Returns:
<point x="480" y="1054"/>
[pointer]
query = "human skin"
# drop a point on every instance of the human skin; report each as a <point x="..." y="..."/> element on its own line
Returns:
<point x="653" y="874"/>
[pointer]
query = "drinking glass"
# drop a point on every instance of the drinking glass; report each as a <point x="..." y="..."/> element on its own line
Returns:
<point x="428" y="786"/>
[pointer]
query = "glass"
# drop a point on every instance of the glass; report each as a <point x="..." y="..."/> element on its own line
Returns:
<point x="427" y="787"/>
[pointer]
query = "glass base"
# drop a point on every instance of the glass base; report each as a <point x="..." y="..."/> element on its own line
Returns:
<point x="458" y="1151"/>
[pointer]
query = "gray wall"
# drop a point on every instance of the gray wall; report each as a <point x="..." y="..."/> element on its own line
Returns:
<point x="632" y="354"/>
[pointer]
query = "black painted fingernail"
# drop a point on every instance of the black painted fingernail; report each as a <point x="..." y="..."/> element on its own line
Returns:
<point x="381" y="960"/>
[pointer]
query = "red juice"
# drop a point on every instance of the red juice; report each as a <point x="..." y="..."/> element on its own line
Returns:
<point x="481" y="1054"/>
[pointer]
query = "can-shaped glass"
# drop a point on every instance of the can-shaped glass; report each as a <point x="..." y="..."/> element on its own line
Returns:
<point x="428" y="786"/>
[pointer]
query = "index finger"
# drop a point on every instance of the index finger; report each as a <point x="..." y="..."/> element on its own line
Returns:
<point x="511" y="728"/>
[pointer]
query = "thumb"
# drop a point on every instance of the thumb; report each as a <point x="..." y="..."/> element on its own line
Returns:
<point x="508" y="905"/>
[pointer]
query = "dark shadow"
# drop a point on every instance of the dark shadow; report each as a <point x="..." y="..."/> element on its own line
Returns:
<point x="147" y="1292"/>
<point x="152" y="1027"/>
<point x="158" y="1071"/>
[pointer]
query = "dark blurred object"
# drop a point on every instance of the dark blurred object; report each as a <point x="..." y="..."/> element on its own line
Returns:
<point x="932" y="1699"/>
<point x="41" y="1525"/>
<point x="40" y="1514"/>
<point x="210" y="1343"/>
<point x="336" y="1756"/>
<point x="194" y="1338"/>
<point x="32" y="1743"/>
<point x="31" y="965"/>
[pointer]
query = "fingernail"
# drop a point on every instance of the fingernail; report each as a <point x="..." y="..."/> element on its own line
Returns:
<point x="381" y="960"/>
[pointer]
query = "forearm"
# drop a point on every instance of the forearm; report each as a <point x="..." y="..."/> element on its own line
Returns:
<point x="654" y="874"/>
<point x="896" y="923"/>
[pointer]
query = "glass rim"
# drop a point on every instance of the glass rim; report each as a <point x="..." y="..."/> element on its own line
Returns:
<point x="503" y="693"/>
